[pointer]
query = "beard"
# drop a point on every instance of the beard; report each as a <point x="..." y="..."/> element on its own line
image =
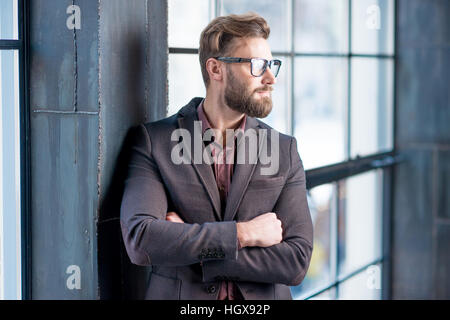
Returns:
<point x="240" y="99"/>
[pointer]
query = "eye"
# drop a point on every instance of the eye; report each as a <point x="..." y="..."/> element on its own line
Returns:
<point x="258" y="66"/>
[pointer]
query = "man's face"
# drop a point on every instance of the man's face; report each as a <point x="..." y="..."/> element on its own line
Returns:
<point x="243" y="92"/>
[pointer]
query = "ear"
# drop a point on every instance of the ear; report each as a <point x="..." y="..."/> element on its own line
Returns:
<point x="215" y="69"/>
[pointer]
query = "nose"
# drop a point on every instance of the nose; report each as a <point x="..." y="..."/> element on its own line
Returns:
<point x="268" y="77"/>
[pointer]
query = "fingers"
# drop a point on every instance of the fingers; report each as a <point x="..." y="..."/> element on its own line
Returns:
<point x="277" y="220"/>
<point x="173" y="217"/>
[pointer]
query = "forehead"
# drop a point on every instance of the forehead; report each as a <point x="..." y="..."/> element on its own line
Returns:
<point x="251" y="48"/>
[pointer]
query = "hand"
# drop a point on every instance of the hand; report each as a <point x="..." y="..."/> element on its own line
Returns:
<point x="263" y="231"/>
<point x="172" y="216"/>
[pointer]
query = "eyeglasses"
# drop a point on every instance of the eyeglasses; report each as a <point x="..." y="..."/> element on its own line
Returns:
<point x="259" y="65"/>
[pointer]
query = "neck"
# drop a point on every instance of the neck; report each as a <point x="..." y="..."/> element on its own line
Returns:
<point x="219" y="115"/>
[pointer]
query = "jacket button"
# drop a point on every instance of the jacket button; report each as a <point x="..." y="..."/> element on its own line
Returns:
<point x="211" y="289"/>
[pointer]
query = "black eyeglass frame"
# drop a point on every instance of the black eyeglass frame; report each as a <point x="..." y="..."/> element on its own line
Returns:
<point x="242" y="60"/>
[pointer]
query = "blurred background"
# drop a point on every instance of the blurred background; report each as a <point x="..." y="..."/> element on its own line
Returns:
<point x="364" y="87"/>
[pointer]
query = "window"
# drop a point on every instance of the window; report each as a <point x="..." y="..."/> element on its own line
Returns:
<point x="11" y="149"/>
<point x="335" y="94"/>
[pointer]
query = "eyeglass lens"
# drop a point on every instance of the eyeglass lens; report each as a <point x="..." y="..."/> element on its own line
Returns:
<point x="259" y="66"/>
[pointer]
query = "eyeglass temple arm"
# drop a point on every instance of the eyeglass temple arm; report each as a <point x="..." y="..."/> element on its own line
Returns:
<point x="232" y="59"/>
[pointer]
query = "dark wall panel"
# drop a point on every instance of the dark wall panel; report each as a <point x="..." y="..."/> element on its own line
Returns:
<point x="133" y="77"/>
<point x="423" y="23"/>
<point x="52" y="56"/>
<point x="413" y="219"/>
<point x="123" y="103"/>
<point x="421" y="206"/>
<point x="443" y="184"/>
<point x="89" y="87"/>
<point x="64" y="150"/>
<point x="424" y="95"/>
<point x="87" y="56"/>
<point x="64" y="203"/>
<point x="64" y="62"/>
<point x="443" y="261"/>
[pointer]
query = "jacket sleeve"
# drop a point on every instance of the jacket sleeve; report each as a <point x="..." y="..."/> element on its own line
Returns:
<point x="288" y="261"/>
<point x="150" y="239"/>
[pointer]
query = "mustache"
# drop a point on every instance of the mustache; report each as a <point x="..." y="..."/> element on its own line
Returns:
<point x="264" y="88"/>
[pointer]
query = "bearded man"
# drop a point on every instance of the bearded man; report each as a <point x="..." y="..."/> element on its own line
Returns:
<point x="220" y="229"/>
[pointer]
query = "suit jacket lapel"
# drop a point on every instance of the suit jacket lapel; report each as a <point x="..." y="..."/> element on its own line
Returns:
<point x="242" y="172"/>
<point x="188" y="115"/>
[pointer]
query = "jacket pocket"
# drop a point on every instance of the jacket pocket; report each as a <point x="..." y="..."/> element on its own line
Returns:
<point x="273" y="182"/>
<point x="163" y="288"/>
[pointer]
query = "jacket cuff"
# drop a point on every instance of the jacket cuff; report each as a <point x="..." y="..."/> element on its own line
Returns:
<point x="227" y="246"/>
<point x="212" y="267"/>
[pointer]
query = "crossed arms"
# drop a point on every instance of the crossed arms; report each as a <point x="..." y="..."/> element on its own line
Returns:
<point x="150" y="239"/>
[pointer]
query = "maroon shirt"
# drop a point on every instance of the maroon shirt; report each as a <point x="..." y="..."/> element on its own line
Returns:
<point x="223" y="172"/>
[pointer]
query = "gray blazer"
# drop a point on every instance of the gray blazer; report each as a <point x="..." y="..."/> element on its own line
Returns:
<point x="189" y="260"/>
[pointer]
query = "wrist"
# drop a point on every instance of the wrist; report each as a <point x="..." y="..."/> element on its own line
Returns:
<point x="242" y="234"/>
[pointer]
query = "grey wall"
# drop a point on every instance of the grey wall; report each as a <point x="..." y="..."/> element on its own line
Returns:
<point x="421" y="221"/>
<point x="133" y="81"/>
<point x="88" y="87"/>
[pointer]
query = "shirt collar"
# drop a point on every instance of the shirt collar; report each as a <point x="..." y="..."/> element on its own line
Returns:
<point x="205" y="123"/>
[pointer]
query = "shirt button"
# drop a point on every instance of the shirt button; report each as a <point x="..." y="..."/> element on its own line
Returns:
<point x="211" y="289"/>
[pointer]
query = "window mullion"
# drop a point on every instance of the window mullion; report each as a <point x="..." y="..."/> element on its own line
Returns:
<point x="349" y="80"/>
<point x="291" y="86"/>
<point x="334" y="235"/>
<point x="216" y="4"/>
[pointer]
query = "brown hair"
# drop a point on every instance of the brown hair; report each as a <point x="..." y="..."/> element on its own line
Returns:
<point x="217" y="37"/>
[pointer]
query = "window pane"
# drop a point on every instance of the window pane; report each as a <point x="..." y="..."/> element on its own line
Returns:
<point x="321" y="204"/>
<point x="360" y="221"/>
<point x="320" y="110"/>
<point x="365" y="285"/>
<point x="373" y="26"/>
<point x="10" y="234"/>
<point x="279" y="116"/>
<point x="185" y="81"/>
<point x="371" y="110"/>
<point x="321" y="26"/>
<point x="187" y="19"/>
<point x="277" y="14"/>
<point x="8" y="20"/>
